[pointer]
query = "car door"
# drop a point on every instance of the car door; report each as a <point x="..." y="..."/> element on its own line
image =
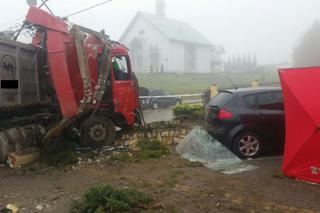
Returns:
<point x="270" y="119"/>
<point x="170" y="99"/>
<point x="158" y="97"/>
<point x="247" y="112"/>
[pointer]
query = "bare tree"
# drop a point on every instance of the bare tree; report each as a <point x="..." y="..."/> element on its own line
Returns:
<point x="307" y="52"/>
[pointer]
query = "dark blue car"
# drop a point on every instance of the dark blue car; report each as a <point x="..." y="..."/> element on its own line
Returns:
<point x="248" y="120"/>
<point x="159" y="98"/>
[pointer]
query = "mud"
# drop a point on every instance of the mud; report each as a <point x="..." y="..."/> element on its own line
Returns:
<point x="175" y="185"/>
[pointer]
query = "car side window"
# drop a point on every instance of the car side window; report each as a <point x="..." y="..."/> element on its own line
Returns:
<point x="270" y="100"/>
<point x="250" y="100"/>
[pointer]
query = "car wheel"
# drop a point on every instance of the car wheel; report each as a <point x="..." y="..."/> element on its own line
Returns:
<point x="155" y="105"/>
<point x="247" y="145"/>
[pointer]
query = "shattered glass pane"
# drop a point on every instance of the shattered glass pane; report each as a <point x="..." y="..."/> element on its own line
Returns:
<point x="200" y="146"/>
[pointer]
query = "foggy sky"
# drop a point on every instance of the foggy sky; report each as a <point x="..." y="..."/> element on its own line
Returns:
<point x="268" y="28"/>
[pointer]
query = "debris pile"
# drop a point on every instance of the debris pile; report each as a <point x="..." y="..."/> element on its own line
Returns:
<point x="200" y="146"/>
<point x="10" y="208"/>
<point x="142" y="143"/>
<point x="142" y="150"/>
<point x="169" y="133"/>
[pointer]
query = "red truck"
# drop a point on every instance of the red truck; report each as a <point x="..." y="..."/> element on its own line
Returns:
<point x="70" y="79"/>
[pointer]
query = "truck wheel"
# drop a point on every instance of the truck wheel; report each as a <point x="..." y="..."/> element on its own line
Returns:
<point x="97" y="131"/>
<point x="3" y="148"/>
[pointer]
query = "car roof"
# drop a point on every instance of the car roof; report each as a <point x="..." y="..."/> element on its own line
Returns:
<point x="252" y="90"/>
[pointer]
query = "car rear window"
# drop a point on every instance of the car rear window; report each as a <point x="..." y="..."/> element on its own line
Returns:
<point x="221" y="99"/>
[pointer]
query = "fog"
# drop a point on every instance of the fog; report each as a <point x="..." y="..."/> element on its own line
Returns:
<point x="270" y="28"/>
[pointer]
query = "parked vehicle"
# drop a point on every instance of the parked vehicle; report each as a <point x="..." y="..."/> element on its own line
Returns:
<point x="159" y="98"/>
<point x="248" y="120"/>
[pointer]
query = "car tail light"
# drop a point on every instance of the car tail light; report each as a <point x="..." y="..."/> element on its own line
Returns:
<point x="224" y="114"/>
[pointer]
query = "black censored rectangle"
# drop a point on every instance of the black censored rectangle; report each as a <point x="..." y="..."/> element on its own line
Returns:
<point x="9" y="84"/>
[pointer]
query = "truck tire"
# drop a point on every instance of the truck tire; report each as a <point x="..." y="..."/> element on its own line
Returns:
<point x="97" y="131"/>
<point x="4" y="148"/>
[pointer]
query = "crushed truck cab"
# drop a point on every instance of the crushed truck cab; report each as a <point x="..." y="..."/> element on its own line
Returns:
<point x="84" y="82"/>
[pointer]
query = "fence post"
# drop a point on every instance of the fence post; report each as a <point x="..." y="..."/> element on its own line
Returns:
<point x="255" y="83"/>
<point x="213" y="90"/>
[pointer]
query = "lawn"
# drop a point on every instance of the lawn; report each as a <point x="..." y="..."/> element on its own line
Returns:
<point x="197" y="83"/>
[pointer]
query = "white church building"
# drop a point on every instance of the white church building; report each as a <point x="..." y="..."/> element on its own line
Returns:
<point x="160" y="44"/>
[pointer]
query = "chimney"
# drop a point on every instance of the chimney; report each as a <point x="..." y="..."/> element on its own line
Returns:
<point x="160" y="8"/>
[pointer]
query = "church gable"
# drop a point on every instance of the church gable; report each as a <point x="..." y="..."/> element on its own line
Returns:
<point x="160" y="44"/>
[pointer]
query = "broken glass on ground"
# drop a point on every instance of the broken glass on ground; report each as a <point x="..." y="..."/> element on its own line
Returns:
<point x="200" y="146"/>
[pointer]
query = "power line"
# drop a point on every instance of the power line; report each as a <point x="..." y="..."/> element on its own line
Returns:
<point x="89" y="8"/>
<point x="11" y="21"/>
<point x="43" y="2"/>
<point x="22" y="26"/>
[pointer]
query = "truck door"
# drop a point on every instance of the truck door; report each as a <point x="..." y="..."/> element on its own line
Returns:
<point x="124" y="93"/>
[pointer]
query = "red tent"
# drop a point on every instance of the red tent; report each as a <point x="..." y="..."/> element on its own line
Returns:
<point x="301" y="90"/>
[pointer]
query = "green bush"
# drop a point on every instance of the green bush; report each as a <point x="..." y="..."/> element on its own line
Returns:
<point x="58" y="152"/>
<point x="105" y="198"/>
<point x="152" y="149"/>
<point x="187" y="110"/>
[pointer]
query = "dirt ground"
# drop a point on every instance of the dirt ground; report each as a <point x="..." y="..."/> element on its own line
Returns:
<point x="176" y="185"/>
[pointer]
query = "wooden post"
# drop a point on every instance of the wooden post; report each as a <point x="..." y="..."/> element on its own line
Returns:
<point x="213" y="90"/>
<point x="255" y="83"/>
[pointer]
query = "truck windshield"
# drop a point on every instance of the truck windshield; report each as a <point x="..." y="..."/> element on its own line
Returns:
<point x="120" y="68"/>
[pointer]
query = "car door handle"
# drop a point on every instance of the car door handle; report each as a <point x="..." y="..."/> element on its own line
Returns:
<point x="259" y="114"/>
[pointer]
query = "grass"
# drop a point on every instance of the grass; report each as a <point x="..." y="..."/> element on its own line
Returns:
<point x="147" y="149"/>
<point x="58" y="152"/>
<point x="278" y="174"/>
<point x="105" y="198"/>
<point x="124" y="157"/>
<point x="173" y="177"/>
<point x="61" y="152"/>
<point x="193" y="164"/>
<point x="198" y="83"/>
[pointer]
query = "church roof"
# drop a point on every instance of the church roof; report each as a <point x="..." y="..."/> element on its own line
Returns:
<point x="173" y="29"/>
